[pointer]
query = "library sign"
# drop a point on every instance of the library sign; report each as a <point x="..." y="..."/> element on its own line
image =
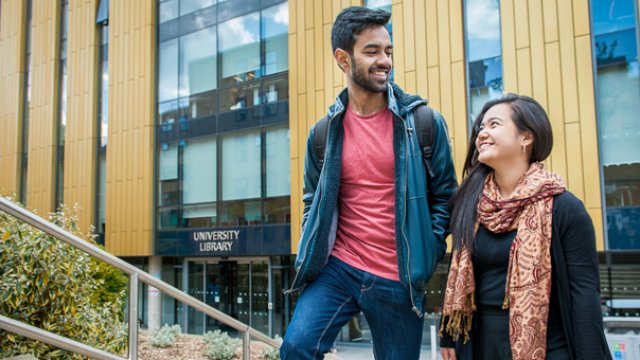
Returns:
<point x="215" y="241"/>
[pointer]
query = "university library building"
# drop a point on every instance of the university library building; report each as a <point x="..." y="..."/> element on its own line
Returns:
<point x="179" y="127"/>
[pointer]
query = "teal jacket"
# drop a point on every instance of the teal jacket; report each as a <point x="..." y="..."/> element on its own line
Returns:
<point x="421" y="211"/>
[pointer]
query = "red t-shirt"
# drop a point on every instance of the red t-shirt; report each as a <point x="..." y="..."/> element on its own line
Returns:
<point x="366" y="226"/>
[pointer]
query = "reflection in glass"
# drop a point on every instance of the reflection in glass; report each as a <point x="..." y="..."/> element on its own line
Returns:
<point x="240" y="213"/>
<point x="275" y="27"/>
<point x="276" y="88"/>
<point x="277" y="210"/>
<point x="196" y="288"/>
<point x="240" y="97"/>
<point x="278" y="180"/>
<point x="199" y="171"/>
<point x="187" y="6"/>
<point x="484" y="61"/>
<point x="618" y="105"/>
<point x="201" y="215"/>
<point x="198" y="62"/>
<point x="168" y="217"/>
<point x="260" y="296"/>
<point x="168" y="113"/>
<point x="168" y="70"/>
<point x="241" y="165"/>
<point x="201" y="106"/>
<point x="239" y="46"/>
<point x="168" y="10"/>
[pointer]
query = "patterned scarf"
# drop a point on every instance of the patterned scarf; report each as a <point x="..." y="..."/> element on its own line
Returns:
<point x="528" y="285"/>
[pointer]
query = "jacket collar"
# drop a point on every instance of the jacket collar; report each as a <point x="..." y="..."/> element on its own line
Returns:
<point x="400" y="103"/>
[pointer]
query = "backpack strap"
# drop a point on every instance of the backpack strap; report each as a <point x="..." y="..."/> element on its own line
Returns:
<point x="423" y="119"/>
<point x="320" y="139"/>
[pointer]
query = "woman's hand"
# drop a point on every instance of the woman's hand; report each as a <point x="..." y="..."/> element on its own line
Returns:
<point x="448" y="353"/>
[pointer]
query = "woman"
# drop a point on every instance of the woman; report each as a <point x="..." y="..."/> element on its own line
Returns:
<point x="523" y="281"/>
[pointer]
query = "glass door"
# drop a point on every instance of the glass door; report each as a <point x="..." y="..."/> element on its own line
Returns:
<point x="260" y="296"/>
<point x="196" y="288"/>
<point x="239" y="289"/>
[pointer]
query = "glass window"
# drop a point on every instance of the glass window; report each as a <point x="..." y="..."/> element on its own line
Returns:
<point x="168" y="187"/>
<point x="241" y="170"/>
<point x="277" y="211"/>
<point x="240" y="213"/>
<point x="102" y="192"/>
<point x="276" y="89"/>
<point x="187" y="6"/>
<point x="103" y="123"/>
<point x="484" y="60"/>
<point x="618" y="103"/>
<point x="278" y="181"/>
<point x="239" y="46"/>
<point x="275" y="29"/>
<point x="199" y="170"/>
<point x="168" y="218"/>
<point x="168" y="70"/>
<point x="168" y="10"/>
<point x="104" y="87"/>
<point x="202" y="105"/>
<point x="168" y="162"/>
<point x="240" y="97"/>
<point x="198" y="62"/>
<point x="200" y="215"/>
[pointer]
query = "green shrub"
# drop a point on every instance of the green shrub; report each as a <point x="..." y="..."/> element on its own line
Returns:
<point x="221" y="346"/>
<point x="112" y="284"/>
<point x="165" y="336"/>
<point x="271" y="353"/>
<point x="48" y="284"/>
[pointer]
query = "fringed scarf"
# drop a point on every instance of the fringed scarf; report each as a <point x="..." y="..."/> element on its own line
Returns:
<point x="528" y="286"/>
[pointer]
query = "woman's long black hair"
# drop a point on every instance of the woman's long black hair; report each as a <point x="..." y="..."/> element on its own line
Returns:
<point x="528" y="116"/>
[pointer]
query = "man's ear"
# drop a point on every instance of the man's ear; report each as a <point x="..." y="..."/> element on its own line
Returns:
<point x="343" y="59"/>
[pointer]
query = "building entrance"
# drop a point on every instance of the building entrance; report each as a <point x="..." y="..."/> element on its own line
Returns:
<point x="239" y="288"/>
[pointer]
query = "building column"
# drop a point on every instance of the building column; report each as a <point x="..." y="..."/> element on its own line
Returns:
<point x="155" y="304"/>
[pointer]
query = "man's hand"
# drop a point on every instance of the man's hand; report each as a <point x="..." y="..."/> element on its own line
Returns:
<point x="448" y="353"/>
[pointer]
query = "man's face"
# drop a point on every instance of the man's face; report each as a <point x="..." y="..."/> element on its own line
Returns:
<point x="371" y="61"/>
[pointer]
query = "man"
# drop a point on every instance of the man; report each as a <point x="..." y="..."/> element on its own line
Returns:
<point x="371" y="232"/>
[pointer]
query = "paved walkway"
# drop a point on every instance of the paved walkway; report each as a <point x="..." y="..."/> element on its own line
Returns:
<point x="355" y="351"/>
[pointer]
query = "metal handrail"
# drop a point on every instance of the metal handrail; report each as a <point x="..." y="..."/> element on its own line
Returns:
<point x="134" y="274"/>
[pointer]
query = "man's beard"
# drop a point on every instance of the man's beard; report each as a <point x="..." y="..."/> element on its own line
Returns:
<point x="362" y="79"/>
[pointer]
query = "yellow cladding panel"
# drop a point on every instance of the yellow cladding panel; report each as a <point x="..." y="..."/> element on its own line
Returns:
<point x="12" y="46"/>
<point x="507" y="33"/>
<point x="596" y="217"/>
<point x="43" y="111"/>
<point x="131" y="126"/>
<point x="81" y="132"/>
<point x="552" y="61"/>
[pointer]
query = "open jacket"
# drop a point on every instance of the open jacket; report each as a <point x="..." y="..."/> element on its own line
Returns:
<point x="421" y="210"/>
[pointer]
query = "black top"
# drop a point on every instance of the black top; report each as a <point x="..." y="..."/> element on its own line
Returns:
<point x="490" y="262"/>
<point x="574" y="315"/>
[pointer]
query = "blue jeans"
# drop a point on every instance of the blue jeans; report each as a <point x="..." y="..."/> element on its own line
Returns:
<point x="339" y="293"/>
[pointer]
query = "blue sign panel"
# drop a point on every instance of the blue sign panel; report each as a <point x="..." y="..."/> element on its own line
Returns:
<point x="249" y="240"/>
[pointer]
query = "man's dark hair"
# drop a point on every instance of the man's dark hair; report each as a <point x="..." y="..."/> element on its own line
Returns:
<point x="350" y="23"/>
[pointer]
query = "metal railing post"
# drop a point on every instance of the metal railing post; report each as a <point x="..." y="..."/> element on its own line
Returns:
<point x="246" y="345"/>
<point x="133" y="316"/>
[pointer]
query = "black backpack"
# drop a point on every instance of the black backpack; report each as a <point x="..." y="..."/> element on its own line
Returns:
<point x="423" y="119"/>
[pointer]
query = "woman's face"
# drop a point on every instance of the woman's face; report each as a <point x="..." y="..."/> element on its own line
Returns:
<point x="499" y="141"/>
